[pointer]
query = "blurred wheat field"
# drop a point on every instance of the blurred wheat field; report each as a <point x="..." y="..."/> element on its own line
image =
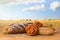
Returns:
<point x="55" y="23"/>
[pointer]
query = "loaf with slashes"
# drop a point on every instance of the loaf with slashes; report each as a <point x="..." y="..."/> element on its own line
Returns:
<point x="14" y="29"/>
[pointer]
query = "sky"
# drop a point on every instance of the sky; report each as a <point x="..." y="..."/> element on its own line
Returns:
<point x="29" y="9"/>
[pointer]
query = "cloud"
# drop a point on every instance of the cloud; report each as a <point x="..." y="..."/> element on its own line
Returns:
<point x="54" y="5"/>
<point x="9" y="2"/>
<point x="35" y="8"/>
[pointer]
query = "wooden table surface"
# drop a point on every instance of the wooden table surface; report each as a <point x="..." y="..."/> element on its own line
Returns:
<point x="26" y="37"/>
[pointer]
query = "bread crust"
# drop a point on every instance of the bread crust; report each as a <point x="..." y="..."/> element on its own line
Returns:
<point x="31" y="30"/>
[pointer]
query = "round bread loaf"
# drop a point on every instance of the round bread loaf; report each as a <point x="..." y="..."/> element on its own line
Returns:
<point x="45" y="31"/>
<point x="31" y="30"/>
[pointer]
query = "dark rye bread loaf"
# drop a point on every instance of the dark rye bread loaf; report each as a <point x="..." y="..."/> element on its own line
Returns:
<point x="14" y="29"/>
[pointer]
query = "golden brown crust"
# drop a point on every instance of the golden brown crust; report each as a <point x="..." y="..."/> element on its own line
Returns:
<point x="45" y="31"/>
<point x="31" y="30"/>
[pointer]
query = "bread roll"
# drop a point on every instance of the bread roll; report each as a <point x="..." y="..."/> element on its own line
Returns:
<point x="45" y="31"/>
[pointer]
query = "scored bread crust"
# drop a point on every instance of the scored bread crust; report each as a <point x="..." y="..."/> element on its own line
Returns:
<point x="14" y="29"/>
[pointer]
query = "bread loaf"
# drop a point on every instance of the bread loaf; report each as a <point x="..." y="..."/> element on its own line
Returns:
<point x="45" y="31"/>
<point x="14" y="28"/>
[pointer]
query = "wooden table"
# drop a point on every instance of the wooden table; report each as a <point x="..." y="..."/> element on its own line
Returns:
<point x="26" y="37"/>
